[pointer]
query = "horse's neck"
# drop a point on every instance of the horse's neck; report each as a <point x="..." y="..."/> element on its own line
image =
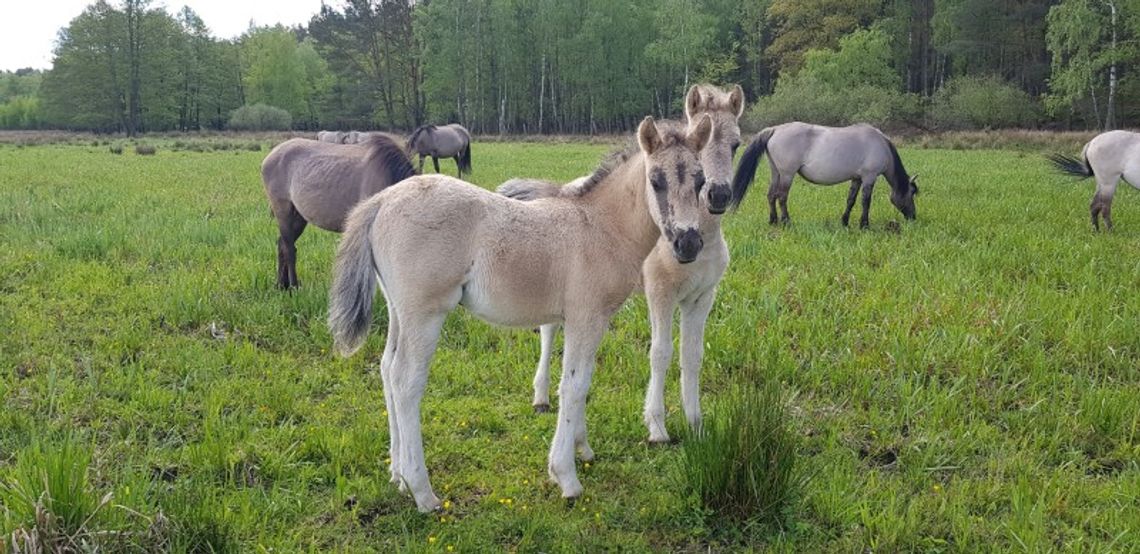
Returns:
<point x="621" y="210"/>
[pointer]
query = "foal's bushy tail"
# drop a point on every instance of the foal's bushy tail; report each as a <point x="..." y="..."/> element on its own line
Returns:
<point x="1068" y="165"/>
<point x="746" y="169"/>
<point x="354" y="281"/>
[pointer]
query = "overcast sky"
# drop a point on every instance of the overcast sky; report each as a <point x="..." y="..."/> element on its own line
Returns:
<point x="28" y="28"/>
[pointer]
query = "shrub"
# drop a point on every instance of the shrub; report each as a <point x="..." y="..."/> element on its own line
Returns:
<point x="260" y="117"/>
<point x="853" y="84"/>
<point x="983" y="103"/>
<point x="116" y="149"/>
<point x="145" y="150"/>
<point x="740" y="464"/>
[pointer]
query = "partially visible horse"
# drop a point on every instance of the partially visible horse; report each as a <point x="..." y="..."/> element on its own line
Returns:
<point x="826" y="156"/>
<point x="668" y="283"/>
<point x="1108" y="157"/>
<point x="334" y="137"/>
<point x="316" y="182"/>
<point x="435" y="242"/>
<point x="442" y="141"/>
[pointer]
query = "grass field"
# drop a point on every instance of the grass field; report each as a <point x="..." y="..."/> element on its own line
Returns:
<point x="968" y="384"/>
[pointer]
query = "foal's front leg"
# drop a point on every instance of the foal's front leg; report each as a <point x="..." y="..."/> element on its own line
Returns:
<point x="542" y="374"/>
<point x="661" y="302"/>
<point x="694" y="315"/>
<point x="580" y="346"/>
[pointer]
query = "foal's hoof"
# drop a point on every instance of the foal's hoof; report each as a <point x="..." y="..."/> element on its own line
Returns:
<point x="541" y="408"/>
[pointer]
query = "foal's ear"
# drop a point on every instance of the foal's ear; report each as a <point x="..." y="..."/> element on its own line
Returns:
<point x="699" y="136"/>
<point x="648" y="136"/>
<point x="736" y="100"/>
<point x="692" y="102"/>
<point x="914" y="184"/>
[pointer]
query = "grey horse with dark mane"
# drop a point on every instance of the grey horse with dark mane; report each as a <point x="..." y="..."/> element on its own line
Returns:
<point x="442" y="141"/>
<point x="309" y="181"/>
<point x="826" y="156"/>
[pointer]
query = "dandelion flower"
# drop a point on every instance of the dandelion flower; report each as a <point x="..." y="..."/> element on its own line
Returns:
<point x="432" y="539"/>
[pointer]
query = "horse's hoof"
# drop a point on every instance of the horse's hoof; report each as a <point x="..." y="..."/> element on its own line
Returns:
<point x="541" y="408"/>
<point x="659" y="441"/>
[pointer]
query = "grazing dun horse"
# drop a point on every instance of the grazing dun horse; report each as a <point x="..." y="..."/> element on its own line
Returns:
<point x="1108" y="157"/>
<point x="435" y="242"/>
<point x="669" y="284"/>
<point x="442" y="141"/>
<point x="316" y="182"/>
<point x="826" y="156"/>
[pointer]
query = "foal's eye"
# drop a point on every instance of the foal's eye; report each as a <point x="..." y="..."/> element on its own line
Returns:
<point x="735" y="145"/>
<point x="658" y="183"/>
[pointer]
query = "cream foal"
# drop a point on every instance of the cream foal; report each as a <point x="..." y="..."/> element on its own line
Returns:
<point x="434" y="243"/>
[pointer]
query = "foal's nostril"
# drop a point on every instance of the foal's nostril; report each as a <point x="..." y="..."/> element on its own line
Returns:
<point x="719" y="197"/>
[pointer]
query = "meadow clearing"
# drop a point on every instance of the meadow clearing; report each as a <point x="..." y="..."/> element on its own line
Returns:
<point x="968" y="383"/>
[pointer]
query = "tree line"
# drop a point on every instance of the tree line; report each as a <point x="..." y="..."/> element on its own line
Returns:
<point x="590" y="66"/>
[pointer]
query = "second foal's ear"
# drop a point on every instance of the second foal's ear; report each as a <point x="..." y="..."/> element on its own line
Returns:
<point x="648" y="136"/>
<point x="736" y="100"/>
<point x="699" y="136"/>
<point x="693" y="102"/>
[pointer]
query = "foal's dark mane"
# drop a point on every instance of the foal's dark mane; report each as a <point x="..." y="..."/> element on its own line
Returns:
<point x="671" y="132"/>
<point x="386" y="157"/>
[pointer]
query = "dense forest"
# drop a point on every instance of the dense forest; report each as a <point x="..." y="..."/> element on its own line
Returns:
<point x="591" y="66"/>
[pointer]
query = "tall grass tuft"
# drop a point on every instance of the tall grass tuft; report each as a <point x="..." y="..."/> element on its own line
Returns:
<point x="740" y="464"/>
<point x="46" y="498"/>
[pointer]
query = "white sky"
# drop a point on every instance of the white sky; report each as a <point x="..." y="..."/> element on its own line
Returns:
<point x="28" y="28"/>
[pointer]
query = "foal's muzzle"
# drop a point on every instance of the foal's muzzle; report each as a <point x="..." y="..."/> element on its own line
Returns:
<point x="687" y="245"/>
<point x="719" y="197"/>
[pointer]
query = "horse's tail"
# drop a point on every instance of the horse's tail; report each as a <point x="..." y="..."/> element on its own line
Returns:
<point x="354" y="281"/>
<point x="528" y="189"/>
<point x="1069" y="165"/>
<point x="746" y="169"/>
<point x="465" y="158"/>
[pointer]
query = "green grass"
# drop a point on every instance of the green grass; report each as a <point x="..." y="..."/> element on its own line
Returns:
<point x="969" y="384"/>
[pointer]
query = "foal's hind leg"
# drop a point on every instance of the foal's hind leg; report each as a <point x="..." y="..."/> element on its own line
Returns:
<point x="386" y="363"/>
<point x="542" y="374"/>
<point x="851" y="196"/>
<point x="868" y="187"/>
<point x="783" y="185"/>
<point x="416" y="343"/>
<point x="290" y="225"/>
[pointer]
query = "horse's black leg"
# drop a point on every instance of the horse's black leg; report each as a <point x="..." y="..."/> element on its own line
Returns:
<point x="773" y="196"/>
<point x="291" y="226"/>
<point x="782" y="196"/>
<point x="435" y="162"/>
<point x="458" y="168"/>
<point x="851" y="196"/>
<point x="865" y="221"/>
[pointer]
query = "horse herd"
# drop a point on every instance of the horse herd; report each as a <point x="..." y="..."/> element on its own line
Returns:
<point x="537" y="254"/>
